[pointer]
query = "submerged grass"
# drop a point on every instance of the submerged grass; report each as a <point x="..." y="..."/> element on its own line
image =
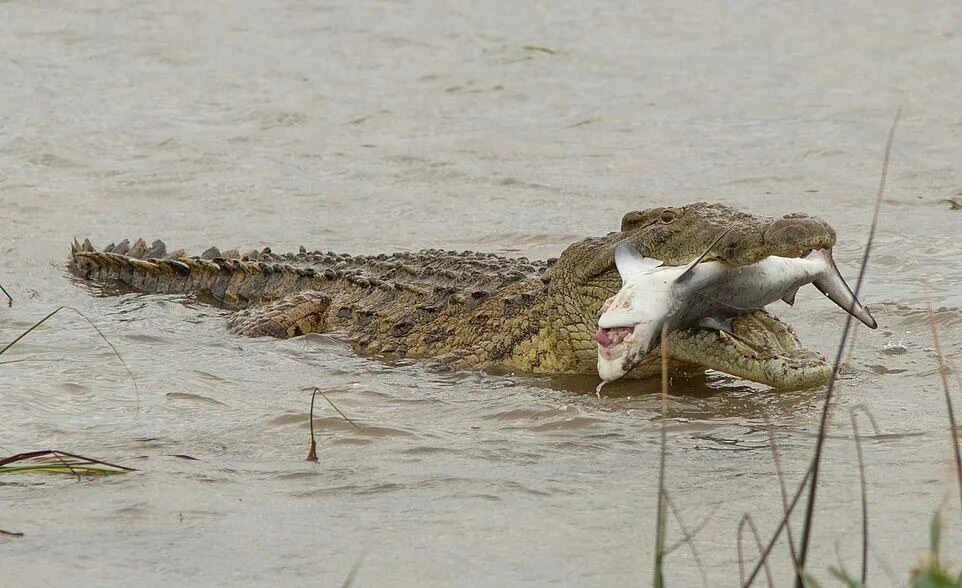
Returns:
<point x="59" y="462"/>
<point x="540" y="49"/>
<point x="54" y="460"/>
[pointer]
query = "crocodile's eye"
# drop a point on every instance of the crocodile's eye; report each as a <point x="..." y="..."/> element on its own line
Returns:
<point x="668" y="216"/>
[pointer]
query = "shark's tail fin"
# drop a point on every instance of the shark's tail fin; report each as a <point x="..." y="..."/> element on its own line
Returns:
<point x="831" y="284"/>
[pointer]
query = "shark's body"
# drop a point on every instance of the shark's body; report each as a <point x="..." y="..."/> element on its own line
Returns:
<point x="655" y="298"/>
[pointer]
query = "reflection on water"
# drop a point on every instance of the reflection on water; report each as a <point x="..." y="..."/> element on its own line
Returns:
<point x="379" y="127"/>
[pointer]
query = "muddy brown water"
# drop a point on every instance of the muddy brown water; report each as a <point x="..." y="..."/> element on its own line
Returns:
<point x="517" y="129"/>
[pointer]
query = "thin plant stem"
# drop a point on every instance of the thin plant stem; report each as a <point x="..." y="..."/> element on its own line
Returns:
<point x="778" y="531"/>
<point x="312" y="452"/>
<point x="338" y="410"/>
<point x="852" y="344"/>
<point x="747" y="519"/>
<point x="661" y="509"/>
<point x="352" y="575"/>
<point x="863" y="486"/>
<point x="688" y="537"/>
<point x="823" y="425"/>
<point x="784" y="491"/>
<point x="691" y="535"/>
<point x="7" y="295"/>
<point x="113" y="348"/>
<point x="27" y="332"/>
<point x="943" y="374"/>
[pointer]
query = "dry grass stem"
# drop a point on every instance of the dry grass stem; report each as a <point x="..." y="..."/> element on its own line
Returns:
<point x="28" y="331"/>
<point x="7" y="296"/>
<point x="336" y="409"/>
<point x="778" y="530"/>
<point x="688" y="538"/>
<point x="747" y="519"/>
<point x="943" y="374"/>
<point x="113" y="348"/>
<point x="784" y="491"/>
<point x="823" y="424"/>
<point x="312" y="452"/>
<point x="660" y="530"/>
<point x="352" y="575"/>
<point x="863" y="486"/>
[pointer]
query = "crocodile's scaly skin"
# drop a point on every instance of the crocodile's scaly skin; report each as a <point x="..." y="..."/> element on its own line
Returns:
<point x="484" y="310"/>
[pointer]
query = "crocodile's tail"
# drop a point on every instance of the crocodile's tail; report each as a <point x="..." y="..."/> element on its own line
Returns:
<point x="233" y="282"/>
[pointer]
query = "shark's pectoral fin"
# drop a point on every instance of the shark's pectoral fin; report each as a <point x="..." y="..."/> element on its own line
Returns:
<point x="789" y="298"/>
<point x="717" y="324"/>
<point x="831" y="283"/>
<point x="631" y="263"/>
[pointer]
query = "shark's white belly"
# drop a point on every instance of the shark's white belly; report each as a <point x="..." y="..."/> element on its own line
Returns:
<point x="729" y="290"/>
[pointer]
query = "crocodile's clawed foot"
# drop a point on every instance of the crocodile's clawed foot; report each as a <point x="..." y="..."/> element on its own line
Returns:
<point x="293" y="315"/>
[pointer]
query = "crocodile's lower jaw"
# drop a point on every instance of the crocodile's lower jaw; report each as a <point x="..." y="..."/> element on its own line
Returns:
<point x="763" y="350"/>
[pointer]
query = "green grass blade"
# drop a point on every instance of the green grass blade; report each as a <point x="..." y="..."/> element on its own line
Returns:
<point x="27" y="332"/>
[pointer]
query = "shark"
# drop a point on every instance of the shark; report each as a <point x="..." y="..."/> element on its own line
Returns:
<point x="656" y="298"/>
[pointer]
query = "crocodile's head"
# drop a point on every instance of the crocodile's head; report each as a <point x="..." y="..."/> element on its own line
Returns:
<point x="765" y="350"/>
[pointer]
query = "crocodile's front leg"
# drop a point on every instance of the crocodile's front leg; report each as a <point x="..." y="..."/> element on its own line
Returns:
<point x="295" y="314"/>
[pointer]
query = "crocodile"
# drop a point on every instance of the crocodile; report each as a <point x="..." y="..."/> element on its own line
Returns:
<point x="475" y="310"/>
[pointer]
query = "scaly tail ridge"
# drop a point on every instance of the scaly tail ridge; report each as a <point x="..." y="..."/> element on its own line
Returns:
<point x="231" y="281"/>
